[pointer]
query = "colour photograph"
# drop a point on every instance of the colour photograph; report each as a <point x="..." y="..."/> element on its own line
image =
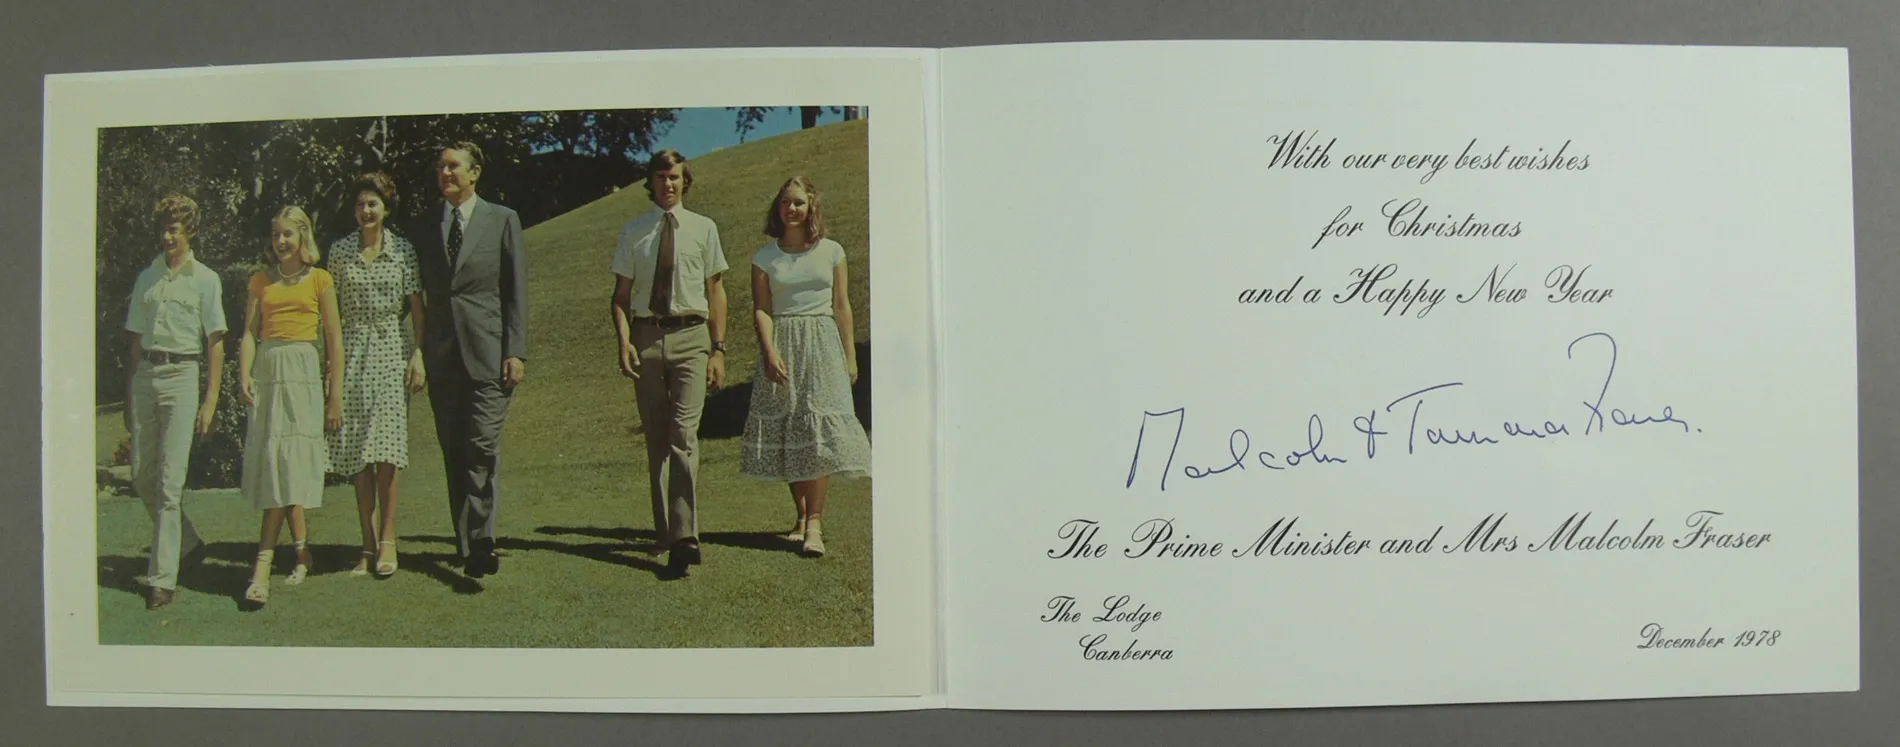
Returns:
<point x="524" y="379"/>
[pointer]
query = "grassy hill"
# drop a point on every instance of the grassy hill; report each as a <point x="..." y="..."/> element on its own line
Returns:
<point x="570" y="256"/>
<point x="574" y="491"/>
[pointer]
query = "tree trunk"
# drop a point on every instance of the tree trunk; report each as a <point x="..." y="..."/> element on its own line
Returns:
<point x="808" y="116"/>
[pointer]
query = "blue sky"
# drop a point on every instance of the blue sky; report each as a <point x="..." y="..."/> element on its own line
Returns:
<point x="701" y="131"/>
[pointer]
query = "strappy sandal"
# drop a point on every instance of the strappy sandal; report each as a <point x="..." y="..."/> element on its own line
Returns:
<point x="814" y="538"/>
<point x="302" y="569"/>
<point x="363" y="563"/>
<point x="797" y="532"/>
<point x="259" y="590"/>
<point x="386" y="564"/>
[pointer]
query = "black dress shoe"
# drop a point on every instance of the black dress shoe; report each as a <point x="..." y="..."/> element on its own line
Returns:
<point x="690" y="551"/>
<point x="158" y="598"/>
<point x="482" y="560"/>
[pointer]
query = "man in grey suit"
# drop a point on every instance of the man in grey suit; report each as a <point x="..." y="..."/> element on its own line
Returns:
<point x="474" y="270"/>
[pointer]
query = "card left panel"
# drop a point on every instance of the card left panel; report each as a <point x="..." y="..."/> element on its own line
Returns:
<point x="492" y="383"/>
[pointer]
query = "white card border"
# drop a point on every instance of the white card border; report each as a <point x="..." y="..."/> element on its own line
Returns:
<point x="893" y="83"/>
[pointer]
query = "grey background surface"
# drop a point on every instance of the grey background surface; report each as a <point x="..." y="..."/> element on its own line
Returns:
<point x="41" y="38"/>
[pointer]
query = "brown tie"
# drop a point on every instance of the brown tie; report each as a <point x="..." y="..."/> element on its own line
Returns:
<point x="662" y="301"/>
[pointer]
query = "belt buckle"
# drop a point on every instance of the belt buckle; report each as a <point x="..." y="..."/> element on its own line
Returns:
<point x="159" y="357"/>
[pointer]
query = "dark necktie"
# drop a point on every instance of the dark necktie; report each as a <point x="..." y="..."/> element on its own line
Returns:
<point x="662" y="301"/>
<point x="455" y="235"/>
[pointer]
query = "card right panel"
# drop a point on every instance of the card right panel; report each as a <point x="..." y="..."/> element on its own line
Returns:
<point x="1322" y="374"/>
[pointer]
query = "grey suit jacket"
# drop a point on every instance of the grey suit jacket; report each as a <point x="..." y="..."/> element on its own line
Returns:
<point x="477" y="306"/>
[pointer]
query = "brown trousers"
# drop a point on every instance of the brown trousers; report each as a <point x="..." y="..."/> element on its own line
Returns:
<point x="672" y="396"/>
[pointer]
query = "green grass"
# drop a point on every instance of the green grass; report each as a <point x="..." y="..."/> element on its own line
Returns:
<point x="574" y="505"/>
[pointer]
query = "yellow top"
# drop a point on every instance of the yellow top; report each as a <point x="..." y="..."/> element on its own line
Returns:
<point x="289" y="312"/>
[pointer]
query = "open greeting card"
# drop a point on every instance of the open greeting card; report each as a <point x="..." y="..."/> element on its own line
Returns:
<point x="1172" y="375"/>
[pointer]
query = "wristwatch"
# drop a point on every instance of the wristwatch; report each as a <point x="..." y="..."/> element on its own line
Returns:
<point x="719" y="346"/>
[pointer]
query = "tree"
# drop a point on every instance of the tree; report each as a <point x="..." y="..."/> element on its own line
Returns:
<point x="748" y="117"/>
<point x="242" y="173"/>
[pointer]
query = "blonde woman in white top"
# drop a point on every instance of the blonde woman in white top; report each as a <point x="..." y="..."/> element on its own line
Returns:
<point x="802" y="427"/>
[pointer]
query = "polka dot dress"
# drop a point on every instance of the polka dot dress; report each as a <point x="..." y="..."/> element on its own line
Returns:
<point x="372" y="298"/>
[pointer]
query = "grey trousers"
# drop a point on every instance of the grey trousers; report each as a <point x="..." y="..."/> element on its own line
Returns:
<point x="164" y="412"/>
<point x="468" y="420"/>
<point x="672" y="394"/>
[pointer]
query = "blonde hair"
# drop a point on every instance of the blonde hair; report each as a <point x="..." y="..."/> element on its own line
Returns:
<point x="294" y="216"/>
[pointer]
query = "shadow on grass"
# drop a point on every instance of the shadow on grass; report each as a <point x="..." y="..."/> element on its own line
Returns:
<point x="726" y="409"/>
<point x="441" y="566"/>
<point x="110" y="482"/>
<point x="861" y="391"/>
<point x="223" y="569"/>
<point x="120" y="573"/>
<point x="621" y="552"/>
<point x="725" y="413"/>
<point x="645" y="539"/>
<point x="636" y="548"/>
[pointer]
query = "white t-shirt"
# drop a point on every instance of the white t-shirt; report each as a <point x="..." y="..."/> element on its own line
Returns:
<point x="801" y="282"/>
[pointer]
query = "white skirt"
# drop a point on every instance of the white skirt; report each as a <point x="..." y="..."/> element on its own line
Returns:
<point x="286" y="453"/>
<point x="808" y="428"/>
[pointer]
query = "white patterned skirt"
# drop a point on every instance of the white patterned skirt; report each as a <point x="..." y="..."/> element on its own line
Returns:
<point x="809" y="428"/>
<point x="285" y="451"/>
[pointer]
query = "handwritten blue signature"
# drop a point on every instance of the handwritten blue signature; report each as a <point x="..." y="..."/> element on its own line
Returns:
<point x="1597" y="419"/>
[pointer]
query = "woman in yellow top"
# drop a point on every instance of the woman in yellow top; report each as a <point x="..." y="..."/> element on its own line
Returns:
<point x="281" y="377"/>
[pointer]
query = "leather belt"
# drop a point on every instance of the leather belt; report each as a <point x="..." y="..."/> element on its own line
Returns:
<point x="161" y="358"/>
<point x="671" y="323"/>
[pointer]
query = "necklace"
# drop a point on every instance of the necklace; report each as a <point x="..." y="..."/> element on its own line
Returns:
<point x="277" y="273"/>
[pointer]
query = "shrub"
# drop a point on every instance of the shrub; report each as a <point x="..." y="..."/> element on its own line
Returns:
<point x="217" y="460"/>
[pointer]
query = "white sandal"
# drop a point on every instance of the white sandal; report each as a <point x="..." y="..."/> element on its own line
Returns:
<point x="259" y="590"/>
<point x="301" y="570"/>
<point x="814" y="538"/>
<point x="387" y="566"/>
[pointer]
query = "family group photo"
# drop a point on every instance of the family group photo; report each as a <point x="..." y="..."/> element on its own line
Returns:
<point x="560" y="379"/>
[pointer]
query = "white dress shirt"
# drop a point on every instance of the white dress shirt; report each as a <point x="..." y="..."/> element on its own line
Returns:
<point x="697" y="256"/>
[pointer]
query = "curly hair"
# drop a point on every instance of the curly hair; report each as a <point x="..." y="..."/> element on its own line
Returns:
<point x="381" y="184"/>
<point x="178" y="209"/>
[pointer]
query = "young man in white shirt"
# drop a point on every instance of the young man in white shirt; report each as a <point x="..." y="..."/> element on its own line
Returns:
<point x="176" y="321"/>
<point x="669" y="313"/>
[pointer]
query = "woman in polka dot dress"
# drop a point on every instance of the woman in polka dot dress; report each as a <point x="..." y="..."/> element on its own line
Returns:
<point x="376" y="279"/>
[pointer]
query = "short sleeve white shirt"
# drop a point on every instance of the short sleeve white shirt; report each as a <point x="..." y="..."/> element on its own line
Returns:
<point x="174" y="311"/>
<point x="697" y="256"/>
<point x="801" y="281"/>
